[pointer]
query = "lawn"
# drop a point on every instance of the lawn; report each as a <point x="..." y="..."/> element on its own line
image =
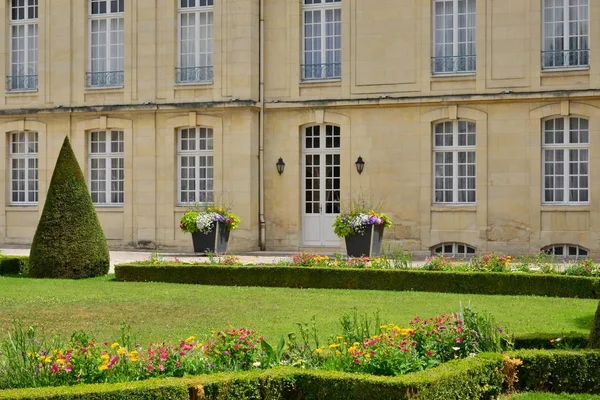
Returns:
<point x="174" y="311"/>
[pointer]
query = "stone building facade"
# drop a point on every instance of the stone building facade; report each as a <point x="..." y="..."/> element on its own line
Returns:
<point x="477" y="120"/>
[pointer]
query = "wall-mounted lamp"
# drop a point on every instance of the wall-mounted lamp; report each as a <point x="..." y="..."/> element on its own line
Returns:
<point x="360" y="165"/>
<point x="280" y="166"/>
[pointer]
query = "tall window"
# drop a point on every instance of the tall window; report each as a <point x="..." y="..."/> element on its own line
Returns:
<point x="195" y="165"/>
<point x="195" y="41"/>
<point x="106" y="163"/>
<point x="454" y="162"/>
<point x="454" y="36"/>
<point x="322" y="39"/>
<point x="23" y="45"/>
<point x="106" y="43"/>
<point x="24" y="167"/>
<point x="566" y="31"/>
<point x="566" y="158"/>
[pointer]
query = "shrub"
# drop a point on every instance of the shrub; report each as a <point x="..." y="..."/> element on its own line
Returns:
<point x="366" y="279"/>
<point x="69" y="241"/>
<point x="595" y="332"/>
<point x="14" y="265"/>
<point x="583" y="268"/>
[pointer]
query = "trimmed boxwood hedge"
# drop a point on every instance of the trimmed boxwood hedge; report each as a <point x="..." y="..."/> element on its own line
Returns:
<point x="559" y="371"/>
<point x="369" y="279"/>
<point x="481" y="377"/>
<point x="548" y="341"/>
<point x="14" y="265"/>
<point x="474" y="378"/>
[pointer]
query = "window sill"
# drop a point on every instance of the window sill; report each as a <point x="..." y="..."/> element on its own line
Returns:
<point x="464" y="76"/>
<point x="326" y="82"/>
<point x="566" y="207"/>
<point x="24" y="92"/>
<point x="109" y="207"/>
<point x="454" y="207"/>
<point x="23" y="207"/>
<point x="104" y="88"/>
<point x="186" y="85"/>
<point x="570" y="71"/>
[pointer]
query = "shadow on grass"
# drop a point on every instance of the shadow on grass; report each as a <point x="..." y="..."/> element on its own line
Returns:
<point x="584" y="322"/>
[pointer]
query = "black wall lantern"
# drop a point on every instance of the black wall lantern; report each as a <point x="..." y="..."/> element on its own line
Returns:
<point x="360" y="165"/>
<point x="280" y="166"/>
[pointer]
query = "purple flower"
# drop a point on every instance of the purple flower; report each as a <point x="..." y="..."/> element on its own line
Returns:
<point x="500" y="330"/>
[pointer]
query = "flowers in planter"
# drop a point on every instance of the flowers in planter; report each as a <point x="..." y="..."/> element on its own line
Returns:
<point x="204" y="219"/>
<point x="357" y="221"/>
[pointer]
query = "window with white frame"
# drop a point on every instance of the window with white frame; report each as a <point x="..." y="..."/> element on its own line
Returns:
<point x="106" y="58"/>
<point x="453" y="250"/>
<point x="565" y="148"/>
<point x="566" y="33"/>
<point x="454" y="163"/>
<point x="196" y="23"/>
<point x="322" y="36"/>
<point x="453" y="36"/>
<point x="566" y="251"/>
<point x="23" y="27"/>
<point x="24" y="168"/>
<point x="106" y="167"/>
<point x="195" y="165"/>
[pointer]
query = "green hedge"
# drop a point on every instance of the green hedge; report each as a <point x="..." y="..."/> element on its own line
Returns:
<point x="475" y="378"/>
<point x="549" y="341"/>
<point x="559" y="371"/>
<point x="371" y="279"/>
<point x="14" y="265"/>
<point x="159" y="389"/>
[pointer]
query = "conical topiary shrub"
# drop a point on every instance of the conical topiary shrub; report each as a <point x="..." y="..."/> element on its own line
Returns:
<point x="69" y="241"/>
<point x="595" y="334"/>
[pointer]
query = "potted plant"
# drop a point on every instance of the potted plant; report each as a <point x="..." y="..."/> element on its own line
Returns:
<point x="210" y="226"/>
<point x="362" y="231"/>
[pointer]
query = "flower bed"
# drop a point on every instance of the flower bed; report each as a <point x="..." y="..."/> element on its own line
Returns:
<point x="30" y="361"/>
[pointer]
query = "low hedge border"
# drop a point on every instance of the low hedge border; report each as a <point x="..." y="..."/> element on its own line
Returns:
<point x="481" y="377"/>
<point x="558" y="371"/>
<point x="475" y="378"/>
<point x="14" y="265"/>
<point x="551" y="341"/>
<point x="365" y="279"/>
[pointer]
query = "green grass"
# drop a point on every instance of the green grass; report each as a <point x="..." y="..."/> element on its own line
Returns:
<point x="549" y="396"/>
<point x="175" y="311"/>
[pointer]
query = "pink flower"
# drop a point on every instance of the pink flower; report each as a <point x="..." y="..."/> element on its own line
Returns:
<point x="150" y="368"/>
<point x="54" y="368"/>
<point x="161" y="367"/>
<point x="458" y="340"/>
<point x="68" y="368"/>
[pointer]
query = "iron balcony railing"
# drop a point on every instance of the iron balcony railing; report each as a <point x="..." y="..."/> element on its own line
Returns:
<point x="566" y="58"/>
<point x="453" y="64"/>
<point x="321" y="71"/>
<point x="21" y="82"/>
<point x="194" y="74"/>
<point x="104" y="79"/>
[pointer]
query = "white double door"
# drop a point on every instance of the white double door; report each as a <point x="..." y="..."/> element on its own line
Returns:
<point x="320" y="185"/>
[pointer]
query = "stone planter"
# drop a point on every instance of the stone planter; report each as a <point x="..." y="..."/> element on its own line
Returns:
<point x="213" y="242"/>
<point x="366" y="244"/>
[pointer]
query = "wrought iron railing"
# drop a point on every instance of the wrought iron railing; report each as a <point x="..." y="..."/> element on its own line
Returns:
<point x="21" y="82"/>
<point x="566" y="58"/>
<point x="194" y="74"/>
<point x="453" y="64"/>
<point x="104" y="79"/>
<point x="321" y="71"/>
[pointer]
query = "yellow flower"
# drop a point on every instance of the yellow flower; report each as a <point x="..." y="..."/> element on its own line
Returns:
<point x="48" y="360"/>
<point x="114" y="345"/>
<point x="383" y="327"/>
<point x="367" y="355"/>
<point x="318" y="351"/>
<point x="339" y="337"/>
<point x="60" y="361"/>
<point x="190" y="339"/>
<point x="337" y="353"/>
<point x="103" y="367"/>
<point x="105" y="356"/>
<point x="352" y="349"/>
<point x="121" y="351"/>
<point x="42" y="358"/>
